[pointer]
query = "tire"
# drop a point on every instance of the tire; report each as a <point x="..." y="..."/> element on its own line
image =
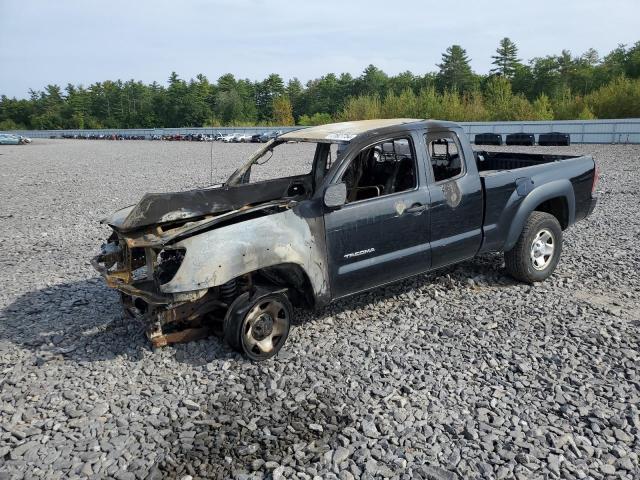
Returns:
<point x="535" y="255"/>
<point x="258" y="326"/>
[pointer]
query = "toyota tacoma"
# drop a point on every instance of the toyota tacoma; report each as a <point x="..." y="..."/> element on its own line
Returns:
<point x="368" y="203"/>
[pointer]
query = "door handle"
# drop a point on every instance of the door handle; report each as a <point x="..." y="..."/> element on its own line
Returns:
<point x="416" y="209"/>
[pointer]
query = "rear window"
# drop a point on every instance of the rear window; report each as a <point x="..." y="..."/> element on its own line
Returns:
<point x="447" y="161"/>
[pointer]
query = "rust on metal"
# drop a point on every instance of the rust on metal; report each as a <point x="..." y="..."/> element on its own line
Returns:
<point x="182" y="336"/>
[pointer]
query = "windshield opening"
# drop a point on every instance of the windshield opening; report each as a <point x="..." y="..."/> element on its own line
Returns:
<point x="283" y="160"/>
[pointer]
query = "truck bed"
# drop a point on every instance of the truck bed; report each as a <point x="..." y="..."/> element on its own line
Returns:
<point x="508" y="178"/>
<point x="492" y="162"/>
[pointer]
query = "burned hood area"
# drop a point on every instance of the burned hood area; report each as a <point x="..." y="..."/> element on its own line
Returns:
<point x="173" y="207"/>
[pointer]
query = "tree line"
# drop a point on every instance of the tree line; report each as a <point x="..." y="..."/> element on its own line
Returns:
<point x="552" y="87"/>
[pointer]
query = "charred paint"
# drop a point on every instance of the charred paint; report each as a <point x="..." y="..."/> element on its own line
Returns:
<point x="451" y="193"/>
<point x="219" y="255"/>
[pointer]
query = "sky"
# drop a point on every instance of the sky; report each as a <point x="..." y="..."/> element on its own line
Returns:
<point x="83" y="42"/>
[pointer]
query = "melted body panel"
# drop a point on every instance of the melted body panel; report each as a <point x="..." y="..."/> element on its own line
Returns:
<point x="219" y="255"/>
<point x="161" y="208"/>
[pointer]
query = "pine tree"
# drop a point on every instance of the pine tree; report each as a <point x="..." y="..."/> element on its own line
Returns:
<point x="455" y="72"/>
<point x="506" y="60"/>
<point x="295" y="92"/>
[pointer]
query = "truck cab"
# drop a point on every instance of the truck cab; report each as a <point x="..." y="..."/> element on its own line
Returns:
<point x="413" y="203"/>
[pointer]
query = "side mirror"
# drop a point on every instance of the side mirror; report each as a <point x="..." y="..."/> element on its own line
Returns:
<point x="335" y="195"/>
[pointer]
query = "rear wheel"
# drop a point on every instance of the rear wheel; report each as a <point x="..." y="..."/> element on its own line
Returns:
<point x="536" y="254"/>
<point x="258" y="327"/>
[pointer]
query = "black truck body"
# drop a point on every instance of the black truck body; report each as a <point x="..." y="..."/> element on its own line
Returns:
<point x="402" y="197"/>
<point x="482" y="210"/>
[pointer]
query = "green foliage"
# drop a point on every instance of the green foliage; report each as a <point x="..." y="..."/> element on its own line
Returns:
<point x="265" y="93"/>
<point x="399" y="106"/>
<point x="9" y="124"/>
<point x="499" y="98"/>
<point x="365" y="107"/>
<point x="282" y="111"/>
<point x="429" y="103"/>
<point x="372" y="81"/>
<point x="503" y="104"/>
<point x="455" y="72"/>
<point x="295" y="92"/>
<point x="542" y="108"/>
<point x="620" y="98"/>
<point x="585" y="114"/>
<point x="212" y="122"/>
<point x="506" y="60"/>
<point x="560" y="86"/>
<point x="315" y="119"/>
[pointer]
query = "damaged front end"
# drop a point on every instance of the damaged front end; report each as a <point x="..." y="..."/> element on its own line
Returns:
<point x="180" y="278"/>
<point x="138" y="272"/>
<point x="181" y="259"/>
<point x="140" y="264"/>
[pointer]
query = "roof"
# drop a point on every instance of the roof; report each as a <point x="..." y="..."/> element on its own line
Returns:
<point x="343" y="131"/>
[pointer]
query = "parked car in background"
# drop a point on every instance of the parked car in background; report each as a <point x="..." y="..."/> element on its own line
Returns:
<point x="8" y="139"/>
<point x="255" y="138"/>
<point x="228" y="138"/>
<point x="242" y="138"/>
<point x="270" y="135"/>
<point x="266" y="136"/>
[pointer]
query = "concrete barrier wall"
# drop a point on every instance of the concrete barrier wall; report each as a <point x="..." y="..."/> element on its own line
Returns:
<point x="581" y="131"/>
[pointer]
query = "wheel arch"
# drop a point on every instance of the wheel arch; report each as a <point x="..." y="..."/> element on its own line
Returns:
<point x="556" y="198"/>
<point x="292" y="277"/>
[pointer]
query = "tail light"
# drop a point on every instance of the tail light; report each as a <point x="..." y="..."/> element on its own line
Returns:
<point x="596" y="177"/>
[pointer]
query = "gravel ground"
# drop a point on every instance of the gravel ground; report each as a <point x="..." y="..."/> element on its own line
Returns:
<point x="460" y="374"/>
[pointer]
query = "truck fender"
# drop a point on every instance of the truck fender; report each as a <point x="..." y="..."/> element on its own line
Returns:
<point x="556" y="188"/>
<point x="214" y="257"/>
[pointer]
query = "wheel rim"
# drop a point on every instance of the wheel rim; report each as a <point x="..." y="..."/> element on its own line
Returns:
<point x="542" y="249"/>
<point x="265" y="327"/>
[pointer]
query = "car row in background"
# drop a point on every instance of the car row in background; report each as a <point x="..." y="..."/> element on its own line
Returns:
<point x="555" y="139"/>
<point x="189" y="137"/>
<point x="11" y="139"/>
<point x="237" y="137"/>
<point x="101" y="136"/>
<point x="261" y="137"/>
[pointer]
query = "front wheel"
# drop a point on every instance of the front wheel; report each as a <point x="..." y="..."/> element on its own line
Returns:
<point x="258" y="327"/>
<point x="535" y="255"/>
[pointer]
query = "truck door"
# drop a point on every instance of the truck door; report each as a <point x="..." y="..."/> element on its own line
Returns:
<point x="381" y="233"/>
<point x="456" y="199"/>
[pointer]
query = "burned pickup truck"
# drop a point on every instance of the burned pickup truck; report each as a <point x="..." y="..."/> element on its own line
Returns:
<point x="372" y="202"/>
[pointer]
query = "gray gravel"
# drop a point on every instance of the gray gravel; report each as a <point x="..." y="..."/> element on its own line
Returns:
<point x="463" y="374"/>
